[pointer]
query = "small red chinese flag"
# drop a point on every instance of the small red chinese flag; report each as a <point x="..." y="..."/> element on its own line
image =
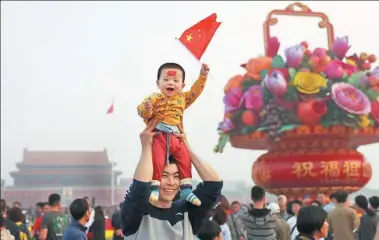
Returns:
<point x="110" y="109"/>
<point x="197" y="38"/>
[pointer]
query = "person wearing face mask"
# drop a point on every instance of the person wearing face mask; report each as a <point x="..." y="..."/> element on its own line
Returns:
<point x="311" y="223"/>
<point x="80" y="212"/>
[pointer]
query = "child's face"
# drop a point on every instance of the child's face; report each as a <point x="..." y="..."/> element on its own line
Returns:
<point x="170" y="81"/>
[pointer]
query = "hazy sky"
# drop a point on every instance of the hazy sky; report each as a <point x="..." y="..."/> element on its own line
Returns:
<point x="62" y="62"/>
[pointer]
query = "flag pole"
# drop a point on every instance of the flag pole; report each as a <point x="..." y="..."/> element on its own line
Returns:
<point x="111" y="149"/>
<point x="113" y="154"/>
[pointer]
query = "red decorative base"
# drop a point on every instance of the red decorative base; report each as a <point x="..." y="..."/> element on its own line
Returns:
<point x="309" y="160"/>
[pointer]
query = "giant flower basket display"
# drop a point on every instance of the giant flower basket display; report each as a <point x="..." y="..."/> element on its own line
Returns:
<point x="310" y="108"/>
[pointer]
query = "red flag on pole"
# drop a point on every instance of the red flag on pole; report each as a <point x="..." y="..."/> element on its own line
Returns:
<point x="197" y="38"/>
<point x="110" y="109"/>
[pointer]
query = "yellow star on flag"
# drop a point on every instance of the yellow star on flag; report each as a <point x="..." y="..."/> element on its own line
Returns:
<point x="189" y="38"/>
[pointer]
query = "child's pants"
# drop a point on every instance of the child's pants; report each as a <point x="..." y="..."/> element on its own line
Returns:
<point x="177" y="149"/>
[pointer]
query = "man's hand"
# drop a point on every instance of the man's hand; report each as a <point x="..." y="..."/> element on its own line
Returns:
<point x="148" y="133"/>
<point x="204" y="70"/>
<point x="119" y="233"/>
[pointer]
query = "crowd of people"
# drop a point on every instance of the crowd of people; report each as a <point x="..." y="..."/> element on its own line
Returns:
<point x="173" y="218"/>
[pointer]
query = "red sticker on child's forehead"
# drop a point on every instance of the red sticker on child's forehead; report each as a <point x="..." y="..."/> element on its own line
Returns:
<point x="171" y="73"/>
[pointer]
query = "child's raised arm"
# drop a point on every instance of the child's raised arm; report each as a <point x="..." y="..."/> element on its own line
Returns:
<point x="198" y="86"/>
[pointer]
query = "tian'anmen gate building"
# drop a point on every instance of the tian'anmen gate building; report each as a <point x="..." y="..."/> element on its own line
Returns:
<point x="72" y="174"/>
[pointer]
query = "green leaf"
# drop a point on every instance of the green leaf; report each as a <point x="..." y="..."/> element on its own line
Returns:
<point x="262" y="129"/>
<point x="248" y="83"/>
<point x="352" y="116"/>
<point x="236" y="117"/>
<point x="278" y="62"/>
<point x="248" y="129"/>
<point x="222" y="140"/>
<point x="263" y="73"/>
<point x="372" y="95"/>
<point x="355" y="77"/>
<point x="292" y="73"/>
<point x="287" y="128"/>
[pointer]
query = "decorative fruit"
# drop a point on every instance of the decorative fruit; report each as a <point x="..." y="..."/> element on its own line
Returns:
<point x="363" y="56"/>
<point x="304" y="44"/>
<point x="325" y="60"/>
<point x="249" y="118"/>
<point x="234" y="82"/>
<point x="274" y="118"/>
<point x="372" y="58"/>
<point x="366" y="66"/>
<point x="310" y="112"/>
<point x="373" y="80"/>
<point x="314" y="61"/>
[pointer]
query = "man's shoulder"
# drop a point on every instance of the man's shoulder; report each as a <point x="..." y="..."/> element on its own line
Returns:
<point x="52" y="215"/>
<point x="9" y="224"/>
<point x="209" y="185"/>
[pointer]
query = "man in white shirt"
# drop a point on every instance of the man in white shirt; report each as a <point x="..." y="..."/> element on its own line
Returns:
<point x="92" y="216"/>
<point x="296" y="206"/>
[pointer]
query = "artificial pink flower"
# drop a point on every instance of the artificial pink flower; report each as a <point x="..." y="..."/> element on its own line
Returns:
<point x="226" y="126"/>
<point x="273" y="45"/>
<point x="253" y="98"/>
<point x="276" y="83"/>
<point x="232" y="100"/>
<point x="350" y="99"/>
<point x="294" y="56"/>
<point x="375" y="110"/>
<point x="340" y="47"/>
<point x="320" y="52"/>
<point x="334" y="70"/>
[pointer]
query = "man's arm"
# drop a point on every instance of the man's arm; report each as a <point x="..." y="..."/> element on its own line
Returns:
<point x="137" y="197"/>
<point x="141" y="109"/>
<point x="208" y="191"/>
<point x="43" y="231"/>
<point x="354" y="220"/>
<point x="205" y="171"/>
<point x="377" y="232"/>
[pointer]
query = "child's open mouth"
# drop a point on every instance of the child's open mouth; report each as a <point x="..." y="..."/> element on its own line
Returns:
<point x="170" y="90"/>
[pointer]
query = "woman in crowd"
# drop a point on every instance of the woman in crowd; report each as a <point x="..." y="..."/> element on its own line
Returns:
<point x="97" y="229"/>
<point x="5" y="234"/>
<point x="311" y="223"/>
<point x="233" y="222"/>
<point x="15" y="215"/>
<point x="368" y="221"/>
<point x="220" y="217"/>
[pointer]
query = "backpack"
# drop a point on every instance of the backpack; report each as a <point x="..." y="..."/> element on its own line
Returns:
<point x="24" y="232"/>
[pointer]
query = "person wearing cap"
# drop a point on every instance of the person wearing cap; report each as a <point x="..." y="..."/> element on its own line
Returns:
<point x="283" y="229"/>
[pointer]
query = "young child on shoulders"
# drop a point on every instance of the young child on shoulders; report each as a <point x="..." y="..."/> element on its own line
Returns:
<point x="168" y="107"/>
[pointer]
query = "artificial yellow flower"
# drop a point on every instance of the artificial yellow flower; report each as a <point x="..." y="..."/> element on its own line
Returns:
<point x="351" y="62"/>
<point x="364" y="122"/>
<point x="309" y="82"/>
